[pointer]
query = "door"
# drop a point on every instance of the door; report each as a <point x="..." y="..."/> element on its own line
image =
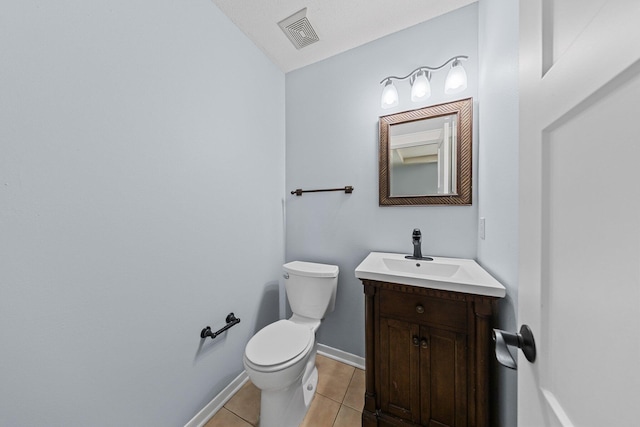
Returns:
<point x="579" y="212"/>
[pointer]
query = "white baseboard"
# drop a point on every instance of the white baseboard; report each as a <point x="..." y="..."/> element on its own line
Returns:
<point x="218" y="402"/>
<point x="341" y="356"/>
<point x="223" y="397"/>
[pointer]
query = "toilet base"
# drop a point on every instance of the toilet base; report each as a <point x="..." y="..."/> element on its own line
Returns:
<point x="287" y="407"/>
<point x="309" y="388"/>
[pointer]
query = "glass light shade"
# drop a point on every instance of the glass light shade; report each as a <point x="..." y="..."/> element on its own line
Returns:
<point x="456" y="79"/>
<point x="421" y="88"/>
<point x="389" y="95"/>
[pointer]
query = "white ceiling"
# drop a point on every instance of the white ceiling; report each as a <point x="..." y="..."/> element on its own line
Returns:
<point x="340" y="24"/>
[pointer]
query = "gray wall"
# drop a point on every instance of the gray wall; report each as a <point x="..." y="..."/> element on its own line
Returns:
<point x="498" y="173"/>
<point x="141" y="170"/>
<point x="332" y="110"/>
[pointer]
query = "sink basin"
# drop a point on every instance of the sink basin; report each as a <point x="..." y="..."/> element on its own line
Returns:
<point x="429" y="268"/>
<point x="449" y="274"/>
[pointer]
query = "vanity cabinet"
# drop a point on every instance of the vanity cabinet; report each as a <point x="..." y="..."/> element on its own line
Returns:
<point x="427" y="356"/>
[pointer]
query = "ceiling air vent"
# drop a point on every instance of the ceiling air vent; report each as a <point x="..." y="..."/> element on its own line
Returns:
<point x="298" y="29"/>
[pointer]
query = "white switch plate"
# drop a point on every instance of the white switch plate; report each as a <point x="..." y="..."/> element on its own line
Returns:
<point x="482" y="228"/>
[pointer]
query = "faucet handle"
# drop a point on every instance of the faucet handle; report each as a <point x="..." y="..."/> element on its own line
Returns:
<point x="416" y="234"/>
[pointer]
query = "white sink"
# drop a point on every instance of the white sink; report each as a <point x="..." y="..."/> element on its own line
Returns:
<point x="449" y="274"/>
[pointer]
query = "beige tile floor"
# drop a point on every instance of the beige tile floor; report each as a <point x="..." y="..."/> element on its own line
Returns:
<point x="338" y="401"/>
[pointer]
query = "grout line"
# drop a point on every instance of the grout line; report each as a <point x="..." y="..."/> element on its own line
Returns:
<point x="348" y="386"/>
<point x="336" y="417"/>
<point x="239" y="416"/>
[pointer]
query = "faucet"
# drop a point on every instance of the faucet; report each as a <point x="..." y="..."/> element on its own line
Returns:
<point x="417" y="243"/>
<point x="416" y="237"/>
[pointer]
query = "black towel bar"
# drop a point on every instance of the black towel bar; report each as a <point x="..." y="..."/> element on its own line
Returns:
<point x="231" y="321"/>
<point x="298" y="192"/>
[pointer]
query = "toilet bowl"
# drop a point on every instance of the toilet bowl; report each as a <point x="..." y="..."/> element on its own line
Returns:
<point x="280" y="358"/>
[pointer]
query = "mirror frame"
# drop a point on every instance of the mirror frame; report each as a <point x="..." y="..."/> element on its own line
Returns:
<point x="463" y="108"/>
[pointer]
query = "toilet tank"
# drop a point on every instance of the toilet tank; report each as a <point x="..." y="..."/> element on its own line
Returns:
<point x="311" y="288"/>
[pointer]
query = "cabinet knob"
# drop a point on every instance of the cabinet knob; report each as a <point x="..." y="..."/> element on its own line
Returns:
<point x="416" y="341"/>
<point x="424" y="343"/>
<point x="419" y="309"/>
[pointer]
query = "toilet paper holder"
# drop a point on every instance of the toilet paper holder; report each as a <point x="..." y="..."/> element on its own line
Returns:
<point x="523" y="340"/>
<point x="231" y="321"/>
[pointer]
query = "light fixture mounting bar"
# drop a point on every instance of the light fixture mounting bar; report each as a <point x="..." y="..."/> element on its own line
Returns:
<point x="426" y="68"/>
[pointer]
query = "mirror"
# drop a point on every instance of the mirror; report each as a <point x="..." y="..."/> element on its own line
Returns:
<point x="425" y="155"/>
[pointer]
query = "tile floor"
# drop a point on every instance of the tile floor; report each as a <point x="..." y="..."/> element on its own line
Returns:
<point x="338" y="401"/>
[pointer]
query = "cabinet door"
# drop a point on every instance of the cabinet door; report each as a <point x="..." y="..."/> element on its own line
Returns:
<point x="399" y="369"/>
<point x="443" y="378"/>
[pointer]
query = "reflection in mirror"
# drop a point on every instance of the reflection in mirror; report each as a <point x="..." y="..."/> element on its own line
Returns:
<point x="422" y="157"/>
<point x="425" y="155"/>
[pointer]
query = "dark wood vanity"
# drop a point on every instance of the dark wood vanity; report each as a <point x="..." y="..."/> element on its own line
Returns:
<point x="428" y="353"/>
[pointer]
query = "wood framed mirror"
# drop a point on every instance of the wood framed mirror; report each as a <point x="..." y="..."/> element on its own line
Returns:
<point x="426" y="155"/>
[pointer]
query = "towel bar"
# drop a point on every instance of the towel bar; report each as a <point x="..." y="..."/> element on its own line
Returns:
<point x="298" y="192"/>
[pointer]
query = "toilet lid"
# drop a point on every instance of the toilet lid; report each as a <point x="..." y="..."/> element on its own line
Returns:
<point x="311" y="269"/>
<point x="278" y="342"/>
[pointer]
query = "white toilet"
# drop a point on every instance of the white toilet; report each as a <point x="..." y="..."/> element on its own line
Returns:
<point x="281" y="358"/>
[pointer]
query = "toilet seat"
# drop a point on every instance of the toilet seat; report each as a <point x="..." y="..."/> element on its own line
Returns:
<point x="278" y="345"/>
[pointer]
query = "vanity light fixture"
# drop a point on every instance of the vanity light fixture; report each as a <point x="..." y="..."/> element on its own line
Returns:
<point x="420" y="80"/>
<point x="456" y="79"/>
<point x="421" y="86"/>
<point x="389" y="95"/>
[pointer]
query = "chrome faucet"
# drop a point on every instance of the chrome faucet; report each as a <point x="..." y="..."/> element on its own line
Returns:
<point x="416" y="237"/>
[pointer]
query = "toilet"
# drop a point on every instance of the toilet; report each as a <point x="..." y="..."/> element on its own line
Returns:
<point x="280" y="359"/>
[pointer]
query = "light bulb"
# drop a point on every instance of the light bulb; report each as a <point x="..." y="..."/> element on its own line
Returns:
<point x="456" y="79"/>
<point x="389" y="95"/>
<point x="421" y="88"/>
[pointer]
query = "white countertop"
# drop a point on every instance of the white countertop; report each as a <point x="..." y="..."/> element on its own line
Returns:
<point x="449" y="274"/>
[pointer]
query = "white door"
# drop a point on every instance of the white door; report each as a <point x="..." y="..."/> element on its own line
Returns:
<point x="579" y="212"/>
